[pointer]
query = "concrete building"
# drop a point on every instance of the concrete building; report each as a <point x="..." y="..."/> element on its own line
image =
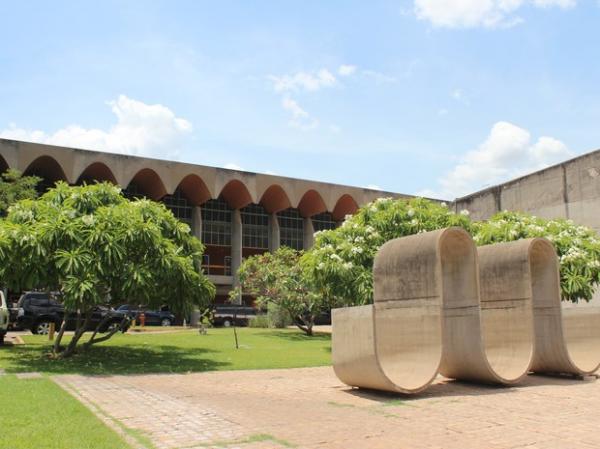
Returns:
<point x="236" y="214"/>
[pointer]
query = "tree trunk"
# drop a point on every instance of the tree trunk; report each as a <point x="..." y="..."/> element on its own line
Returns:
<point x="93" y="340"/>
<point x="79" y="331"/>
<point x="61" y="332"/>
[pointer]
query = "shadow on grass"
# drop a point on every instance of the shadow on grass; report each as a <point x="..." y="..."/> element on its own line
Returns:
<point x="295" y="336"/>
<point x="104" y="360"/>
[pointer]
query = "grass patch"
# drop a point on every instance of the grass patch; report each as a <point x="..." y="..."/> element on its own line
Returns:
<point x="37" y="413"/>
<point x="260" y="437"/>
<point x="177" y="352"/>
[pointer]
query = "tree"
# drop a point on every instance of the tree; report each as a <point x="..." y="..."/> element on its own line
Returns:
<point x="14" y="187"/>
<point x="278" y="278"/>
<point x="341" y="261"/>
<point x="96" y="248"/>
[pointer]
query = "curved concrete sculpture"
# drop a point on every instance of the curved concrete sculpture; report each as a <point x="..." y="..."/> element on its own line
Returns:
<point x="492" y="345"/>
<point x="426" y="319"/>
<point x="566" y="340"/>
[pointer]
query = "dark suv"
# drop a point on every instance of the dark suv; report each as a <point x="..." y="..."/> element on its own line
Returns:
<point x="228" y="314"/>
<point x="36" y="310"/>
<point x="152" y="317"/>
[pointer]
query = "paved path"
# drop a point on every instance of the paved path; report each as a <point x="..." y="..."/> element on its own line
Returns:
<point x="309" y="408"/>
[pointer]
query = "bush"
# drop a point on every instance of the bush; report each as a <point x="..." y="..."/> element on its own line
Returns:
<point x="278" y="317"/>
<point x="259" y="321"/>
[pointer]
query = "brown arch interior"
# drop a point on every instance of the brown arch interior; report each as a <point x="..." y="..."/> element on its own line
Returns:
<point x="149" y="183"/>
<point x="97" y="172"/>
<point x="275" y="199"/>
<point x="194" y="189"/>
<point x="236" y="194"/>
<point x="46" y="168"/>
<point x="3" y="165"/>
<point x="311" y="204"/>
<point x="346" y="205"/>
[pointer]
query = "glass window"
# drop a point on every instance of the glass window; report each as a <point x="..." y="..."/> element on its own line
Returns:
<point x="322" y="222"/>
<point x="216" y="223"/>
<point x="255" y="227"/>
<point x="133" y="192"/>
<point x="178" y="204"/>
<point x="291" y="228"/>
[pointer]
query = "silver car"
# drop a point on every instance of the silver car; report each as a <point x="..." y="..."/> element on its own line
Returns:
<point x="3" y="317"/>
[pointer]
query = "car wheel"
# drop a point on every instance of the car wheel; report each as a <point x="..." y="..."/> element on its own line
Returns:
<point x="165" y="322"/>
<point x="41" y="328"/>
<point x="226" y="323"/>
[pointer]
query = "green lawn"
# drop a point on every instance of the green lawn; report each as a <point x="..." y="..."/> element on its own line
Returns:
<point x="38" y="414"/>
<point x="176" y="352"/>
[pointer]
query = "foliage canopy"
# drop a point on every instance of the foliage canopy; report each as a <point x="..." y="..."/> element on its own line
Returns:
<point x="95" y="247"/>
<point x="340" y="263"/>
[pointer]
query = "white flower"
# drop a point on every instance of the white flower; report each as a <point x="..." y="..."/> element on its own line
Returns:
<point x="356" y="250"/>
<point x="410" y="212"/>
<point x="321" y="266"/>
<point x="88" y="220"/>
<point x="348" y="265"/>
<point x="443" y="204"/>
<point x="335" y="257"/>
<point x="465" y="212"/>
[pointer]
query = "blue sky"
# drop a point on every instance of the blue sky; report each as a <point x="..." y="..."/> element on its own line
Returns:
<point x="436" y="97"/>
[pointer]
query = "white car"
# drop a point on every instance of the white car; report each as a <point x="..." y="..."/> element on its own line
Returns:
<point x="3" y="317"/>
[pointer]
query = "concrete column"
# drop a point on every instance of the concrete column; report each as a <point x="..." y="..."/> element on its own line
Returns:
<point x="274" y="236"/>
<point x="236" y="248"/>
<point x="197" y="222"/>
<point x="309" y="231"/>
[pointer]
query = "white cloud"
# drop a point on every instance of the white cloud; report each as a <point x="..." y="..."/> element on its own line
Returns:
<point x="141" y="129"/>
<point x="335" y="129"/>
<point x="303" y="81"/>
<point x="506" y="153"/>
<point x="478" y="13"/>
<point x="232" y="166"/>
<point x="346" y="70"/>
<point x="379" y="77"/>
<point x="300" y="118"/>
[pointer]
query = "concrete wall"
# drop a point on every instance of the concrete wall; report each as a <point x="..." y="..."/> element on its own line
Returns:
<point x="567" y="190"/>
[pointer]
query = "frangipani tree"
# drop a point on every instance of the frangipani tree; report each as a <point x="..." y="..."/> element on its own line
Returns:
<point x="341" y="261"/>
<point x="96" y="248"/>
<point x="578" y="247"/>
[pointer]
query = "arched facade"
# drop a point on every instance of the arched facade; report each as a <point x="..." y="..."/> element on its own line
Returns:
<point x="235" y="214"/>
<point x="96" y="172"/>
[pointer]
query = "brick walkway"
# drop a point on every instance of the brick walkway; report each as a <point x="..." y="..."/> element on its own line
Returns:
<point x="309" y="408"/>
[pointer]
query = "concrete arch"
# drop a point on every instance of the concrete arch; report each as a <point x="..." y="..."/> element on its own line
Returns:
<point x="149" y="183"/>
<point x="96" y="172"/>
<point x="345" y="205"/>
<point x="311" y="203"/>
<point x="194" y="189"/>
<point x="275" y="199"/>
<point x="566" y="340"/>
<point x="236" y="194"/>
<point x="47" y="168"/>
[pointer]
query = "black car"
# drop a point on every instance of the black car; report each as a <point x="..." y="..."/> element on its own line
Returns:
<point x="36" y="310"/>
<point x="152" y="317"/>
<point x="228" y="314"/>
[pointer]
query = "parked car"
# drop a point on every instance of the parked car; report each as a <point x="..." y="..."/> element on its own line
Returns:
<point x="152" y="317"/>
<point x="37" y="310"/>
<point x="3" y="317"/>
<point x="228" y="314"/>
